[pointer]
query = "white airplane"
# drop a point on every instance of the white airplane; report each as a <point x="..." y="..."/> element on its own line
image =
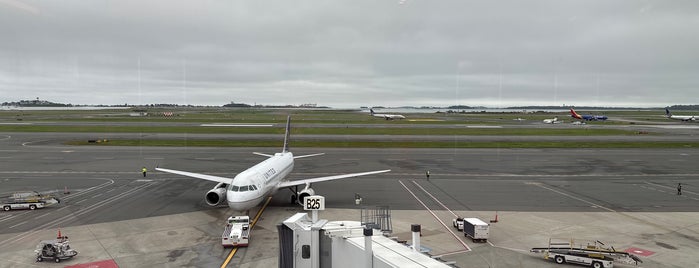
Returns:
<point x="552" y="120"/>
<point x="668" y="114"/>
<point x="387" y="116"/>
<point x="250" y="187"/>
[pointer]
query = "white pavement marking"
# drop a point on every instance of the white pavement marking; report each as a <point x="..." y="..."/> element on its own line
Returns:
<point x="73" y="215"/>
<point x="434" y="198"/>
<point x="29" y="142"/>
<point x="42" y="215"/>
<point x="8" y="218"/>
<point x="576" y="198"/>
<point x="671" y="188"/>
<point x="13" y="226"/>
<point x="435" y="216"/>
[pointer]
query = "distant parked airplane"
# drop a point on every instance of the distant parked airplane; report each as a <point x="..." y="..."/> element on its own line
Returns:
<point x="552" y="120"/>
<point x="586" y="117"/>
<point x="685" y="118"/>
<point x="387" y="116"/>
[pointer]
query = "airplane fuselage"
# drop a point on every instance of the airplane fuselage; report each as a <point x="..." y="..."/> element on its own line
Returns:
<point x="389" y="116"/>
<point x="250" y="187"/>
<point x="587" y="117"/>
<point x="682" y="117"/>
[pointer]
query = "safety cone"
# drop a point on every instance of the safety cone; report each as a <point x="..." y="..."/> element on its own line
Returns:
<point x="65" y="190"/>
<point x="496" y="218"/>
<point x="59" y="234"/>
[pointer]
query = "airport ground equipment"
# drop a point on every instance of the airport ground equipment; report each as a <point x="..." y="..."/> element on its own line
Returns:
<point x="476" y="229"/>
<point x="27" y="200"/>
<point x="55" y="249"/>
<point x="458" y="223"/>
<point x="237" y="232"/>
<point x="590" y="253"/>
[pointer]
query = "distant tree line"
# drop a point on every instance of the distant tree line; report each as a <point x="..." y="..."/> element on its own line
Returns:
<point x="685" y="107"/>
<point x="35" y="103"/>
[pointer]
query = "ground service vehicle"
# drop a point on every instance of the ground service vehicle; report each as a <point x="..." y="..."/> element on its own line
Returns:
<point x="458" y="223"/>
<point x="27" y="200"/>
<point x="591" y="253"/>
<point x="56" y="249"/>
<point x="237" y="232"/>
<point x="561" y="257"/>
<point x="476" y="229"/>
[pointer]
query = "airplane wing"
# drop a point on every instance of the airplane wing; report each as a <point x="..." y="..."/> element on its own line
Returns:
<point x="267" y="155"/>
<point x="308" y="155"/>
<point x="197" y="175"/>
<point x="328" y="178"/>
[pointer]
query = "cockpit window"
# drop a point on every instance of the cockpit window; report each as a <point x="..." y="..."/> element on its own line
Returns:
<point x="245" y="188"/>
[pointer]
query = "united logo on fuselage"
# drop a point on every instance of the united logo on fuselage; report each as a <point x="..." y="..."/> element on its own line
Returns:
<point x="269" y="174"/>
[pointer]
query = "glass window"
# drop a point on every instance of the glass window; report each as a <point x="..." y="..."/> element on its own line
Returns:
<point x="244" y="188"/>
<point x="254" y="187"/>
<point x="234" y="188"/>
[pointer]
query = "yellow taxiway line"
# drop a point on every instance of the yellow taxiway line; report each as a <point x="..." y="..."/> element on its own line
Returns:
<point x="254" y="221"/>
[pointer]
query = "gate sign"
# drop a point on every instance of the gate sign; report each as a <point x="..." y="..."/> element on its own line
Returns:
<point x="314" y="202"/>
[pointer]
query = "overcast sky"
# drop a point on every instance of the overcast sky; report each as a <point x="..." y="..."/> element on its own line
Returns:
<point x="351" y="53"/>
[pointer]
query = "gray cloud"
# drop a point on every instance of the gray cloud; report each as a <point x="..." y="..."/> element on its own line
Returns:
<point x="351" y="53"/>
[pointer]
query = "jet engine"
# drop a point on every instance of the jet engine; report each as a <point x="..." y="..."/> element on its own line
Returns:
<point x="216" y="195"/>
<point x="308" y="191"/>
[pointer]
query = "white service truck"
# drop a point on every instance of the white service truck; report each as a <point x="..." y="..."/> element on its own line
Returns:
<point x="237" y="232"/>
<point x="476" y="229"/>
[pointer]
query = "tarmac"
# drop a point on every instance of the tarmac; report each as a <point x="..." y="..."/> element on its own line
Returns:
<point x="622" y="197"/>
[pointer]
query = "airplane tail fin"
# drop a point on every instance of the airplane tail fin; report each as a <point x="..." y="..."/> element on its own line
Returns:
<point x="286" y="135"/>
<point x="573" y="113"/>
<point x="667" y="112"/>
<point x="371" y="111"/>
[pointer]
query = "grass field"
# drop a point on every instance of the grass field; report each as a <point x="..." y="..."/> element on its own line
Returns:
<point x="352" y="120"/>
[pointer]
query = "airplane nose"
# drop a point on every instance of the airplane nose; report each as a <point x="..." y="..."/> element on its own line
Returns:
<point x="242" y="205"/>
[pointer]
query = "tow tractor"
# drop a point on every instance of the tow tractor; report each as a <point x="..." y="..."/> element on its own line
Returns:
<point x="590" y="253"/>
<point x="237" y="232"/>
<point x="57" y="249"/>
<point x="27" y="200"/>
